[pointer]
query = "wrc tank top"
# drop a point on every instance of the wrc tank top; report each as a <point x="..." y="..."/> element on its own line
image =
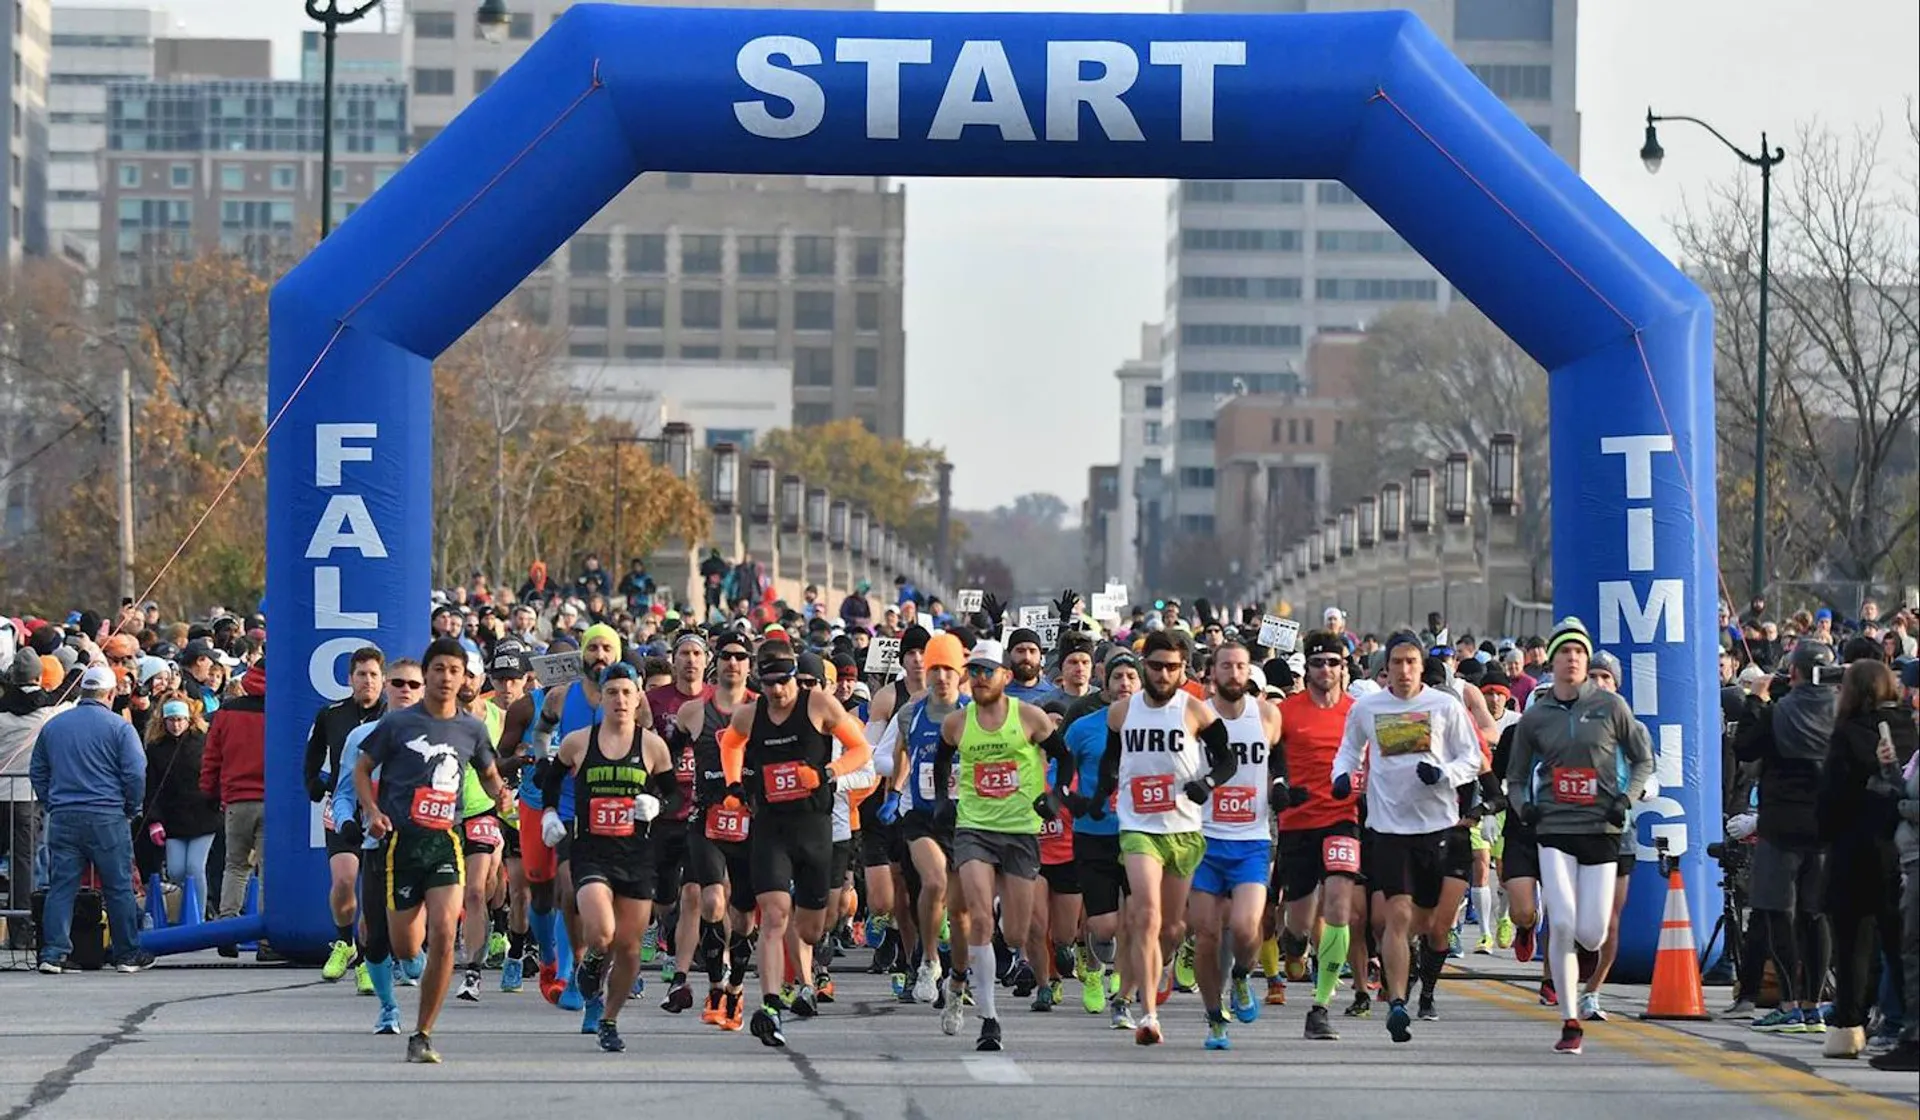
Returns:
<point x="1238" y="809"/>
<point x="1157" y="758"/>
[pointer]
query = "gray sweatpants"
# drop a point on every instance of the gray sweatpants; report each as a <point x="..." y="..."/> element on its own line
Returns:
<point x="246" y="833"/>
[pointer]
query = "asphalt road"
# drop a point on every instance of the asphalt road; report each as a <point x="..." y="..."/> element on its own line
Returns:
<point x="208" y="1043"/>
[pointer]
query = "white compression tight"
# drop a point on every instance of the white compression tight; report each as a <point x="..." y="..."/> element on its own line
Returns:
<point x="1580" y="898"/>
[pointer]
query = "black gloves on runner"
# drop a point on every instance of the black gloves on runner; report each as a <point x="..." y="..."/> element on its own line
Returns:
<point x="1198" y="790"/>
<point x="1429" y="773"/>
<point x="987" y="619"/>
<point x="1064" y="605"/>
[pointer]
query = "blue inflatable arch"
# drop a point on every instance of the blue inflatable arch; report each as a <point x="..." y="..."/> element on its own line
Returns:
<point x="1373" y="100"/>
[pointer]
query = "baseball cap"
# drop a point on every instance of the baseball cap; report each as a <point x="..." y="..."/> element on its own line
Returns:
<point x="1751" y="675"/>
<point x="509" y="661"/>
<point x="97" y="678"/>
<point x="1334" y="614"/>
<point x="1823" y="615"/>
<point x="986" y="654"/>
<point x="194" y="651"/>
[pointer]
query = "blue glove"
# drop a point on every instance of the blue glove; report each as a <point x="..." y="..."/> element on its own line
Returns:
<point x="1429" y="773"/>
<point x="1342" y="787"/>
<point x="890" y="808"/>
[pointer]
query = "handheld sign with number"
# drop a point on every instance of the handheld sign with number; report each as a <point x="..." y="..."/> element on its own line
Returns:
<point x="883" y="656"/>
<point x="555" y="669"/>
<point x="1106" y="607"/>
<point x="1279" y="634"/>
<point x="968" y="600"/>
<point x="1117" y="592"/>
<point x="1032" y="617"/>
<point x="1049" y="631"/>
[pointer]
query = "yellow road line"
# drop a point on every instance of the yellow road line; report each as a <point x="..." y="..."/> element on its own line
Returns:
<point x="1783" y="1087"/>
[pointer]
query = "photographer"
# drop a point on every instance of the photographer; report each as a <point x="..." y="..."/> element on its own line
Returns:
<point x="1788" y="737"/>
<point x="1858" y="812"/>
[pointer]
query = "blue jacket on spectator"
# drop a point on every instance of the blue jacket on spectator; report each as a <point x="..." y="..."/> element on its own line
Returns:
<point x="89" y="759"/>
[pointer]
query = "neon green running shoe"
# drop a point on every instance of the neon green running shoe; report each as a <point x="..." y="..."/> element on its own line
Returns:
<point x="649" y="944"/>
<point x="362" y="980"/>
<point x="1503" y="933"/>
<point x="1093" y="994"/>
<point x="1183" y="978"/>
<point x="496" y="949"/>
<point x="339" y="959"/>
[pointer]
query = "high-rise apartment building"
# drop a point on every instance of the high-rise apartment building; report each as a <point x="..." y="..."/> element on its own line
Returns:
<point x="802" y="270"/>
<point x="28" y="43"/>
<point x="1257" y="269"/>
<point x="91" y="48"/>
<point x="235" y="165"/>
<point x="1141" y="479"/>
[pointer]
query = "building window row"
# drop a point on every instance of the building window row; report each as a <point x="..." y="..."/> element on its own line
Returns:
<point x="1270" y="192"/>
<point x="1261" y="335"/>
<point x="1505" y="21"/>
<point x="1196" y="478"/>
<point x="1240" y="240"/>
<point x="1212" y="383"/>
<point x="1330" y="193"/>
<point x="704" y="254"/>
<point x="1376" y="290"/>
<point x="701" y="309"/>
<point x="1360" y="241"/>
<point x="1240" y="287"/>
<point x="1516" y="83"/>
<point x="444" y="25"/>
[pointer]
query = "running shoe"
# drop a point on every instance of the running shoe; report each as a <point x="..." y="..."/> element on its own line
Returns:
<point x="766" y="1027"/>
<point x="362" y="979"/>
<point x="1183" y="976"/>
<point x="511" y="976"/>
<point x="388" y="1021"/>
<point x="400" y="978"/>
<point x="1590" y="1008"/>
<point x="1056" y="991"/>
<point x="1503" y="932"/>
<point x="610" y="1039"/>
<point x="1276" y="992"/>
<point x="902" y="987"/>
<point x="590" y="1016"/>
<point x="1320" y="1025"/>
<point x="873" y="930"/>
<point x="679" y="997"/>
<point x="413" y="968"/>
<point x="1042" y="999"/>
<point x="1217" y="1034"/>
<point x="1293" y="956"/>
<point x="1120" y="1015"/>
<point x="1572" y="1038"/>
<point x="649" y="944"/>
<point x="570" y="997"/>
<point x="591" y="976"/>
<point x="1361" y="1007"/>
<point x="1092" y="990"/>
<point x="1523" y="944"/>
<point x="953" y="1014"/>
<point x="420" y="1051"/>
<point x="550" y="983"/>
<point x="1549" y="995"/>
<point x="1021" y="978"/>
<point x="1484" y="947"/>
<point x="730" y="1013"/>
<point x="823" y="986"/>
<point x="1780" y="1021"/>
<point x="496" y="949"/>
<point x="857" y="935"/>
<point x="1740" y="1008"/>
<point x="1165" y="991"/>
<point x="1428" y="1013"/>
<point x="1148" y="1032"/>
<point x="989" y="1040"/>
<point x="711" y="1013"/>
<point x="1240" y="999"/>
<point x="1453" y="944"/>
<point x="924" y="983"/>
<point x="1399" y="1023"/>
<point x="339" y="959"/>
<point x="805" y="1002"/>
<point x="469" y="986"/>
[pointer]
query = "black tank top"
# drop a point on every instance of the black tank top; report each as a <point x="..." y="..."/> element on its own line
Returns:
<point x="603" y="793"/>
<point x="709" y="777"/>
<point x="774" y="750"/>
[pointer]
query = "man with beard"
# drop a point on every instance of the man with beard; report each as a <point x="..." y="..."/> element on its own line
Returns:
<point x="545" y="712"/>
<point x="1163" y="783"/>
<point x="687" y="686"/>
<point x="717" y="831"/>
<point x="363" y="704"/>
<point x="1230" y="887"/>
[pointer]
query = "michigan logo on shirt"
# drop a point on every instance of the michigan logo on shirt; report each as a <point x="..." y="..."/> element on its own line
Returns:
<point x="1401" y="733"/>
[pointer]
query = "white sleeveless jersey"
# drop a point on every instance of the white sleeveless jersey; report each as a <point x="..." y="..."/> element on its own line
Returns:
<point x="1239" y="809"/>
<point x="1157" y="758"/>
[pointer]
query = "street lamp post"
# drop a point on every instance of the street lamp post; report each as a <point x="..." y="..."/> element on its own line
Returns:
<point x="1651" y="154"/>
<point x="330" y="16"/>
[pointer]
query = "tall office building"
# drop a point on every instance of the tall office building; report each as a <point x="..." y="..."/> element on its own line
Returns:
<point x="1257" y="269"/>
<point x="91" y="48"/>
<point x="802" y="270"/>
<point x="359" y="56"/>
<point x="28" y="41"/>
<point x="235" y="165"/>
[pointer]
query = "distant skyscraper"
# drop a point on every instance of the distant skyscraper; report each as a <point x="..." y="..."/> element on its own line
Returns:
<point x="91" y="47"/>
<point x="1257" y="269"/>
<point x="28" y="41"/>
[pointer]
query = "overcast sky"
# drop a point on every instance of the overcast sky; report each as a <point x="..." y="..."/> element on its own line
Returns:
<point x="1032" y="292"/>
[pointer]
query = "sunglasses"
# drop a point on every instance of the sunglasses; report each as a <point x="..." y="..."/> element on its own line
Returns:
<point x="775" y="678"/>
<point x="808" y="682"/>
<point x="1325" y="662"/>
<point x="1167" y="666"/>
<point x="402" y="682"/>
<point x="982" y="670"/>
<point x="733" y="655"/>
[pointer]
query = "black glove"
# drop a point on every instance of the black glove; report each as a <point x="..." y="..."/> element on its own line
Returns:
<point x="1343" y="787"/>
<point x="737" y="791"/>
<point x="945" y="815"/>
<point x="1298" y="796"/>
<point x="1429" y="773"/>
<point x="987" y="621"/>
<point x="1064" y="605"/>
<point x="1197" y="791"/>
<point x="1097" y="811"/>
<point x="349" y="831"/>
<point x="1280" y="795"/>
<point x="1075" y="803"/>
<point x="316" y="789"/>
<point x="1530" y="813"/>
<point x="1047" y="805"/>
<point x="1617" y="811"/>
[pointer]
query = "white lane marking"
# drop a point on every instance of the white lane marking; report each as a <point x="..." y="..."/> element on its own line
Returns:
<point x="996" y="1069"/>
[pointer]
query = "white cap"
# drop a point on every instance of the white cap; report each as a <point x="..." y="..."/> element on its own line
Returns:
<point x="1334" y="614"/>
<point x="98" y="678"/>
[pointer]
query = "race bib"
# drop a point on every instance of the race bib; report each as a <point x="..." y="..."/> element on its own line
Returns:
<point x="1152" y="793"/>
<point x="685" y="770"/>
<point x="925" y="779"/>
<point x="484" y="830"/>
<point x="996" y="779"/>
<point x="1233" y="805"/>
<point x="783" y="782"/>
<point x="435" y="808"/>
<point x="1340" y="855"/>
<point x="610" y="816"/>
<point x="1054" y="829"/>
<point x="1573" y="785"/>
<point x="727" y="825"/>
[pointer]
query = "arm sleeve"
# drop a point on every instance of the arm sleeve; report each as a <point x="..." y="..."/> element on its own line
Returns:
<point x="133" y="769"/>
<point x="1055" y="748"/>
<point x="733" y="753"/>
<point x="1221" y="762"/>
<point x="883" y="737"/>
<point x="551" y="780"/>
<point x="665" y="785"/>
<point x="856" y="752"/>
<point x="943" y="767"/>
<point x="860" y="777"/>
<point x="1109" y="769"/>
<point x="1277" y="763"/>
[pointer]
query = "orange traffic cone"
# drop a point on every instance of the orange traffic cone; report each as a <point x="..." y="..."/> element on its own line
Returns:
<point x="1676" y="990"/>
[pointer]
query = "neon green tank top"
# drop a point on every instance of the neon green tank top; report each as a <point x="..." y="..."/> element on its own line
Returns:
<point x="1001" y="772"/>
<point x="473" y="796"/>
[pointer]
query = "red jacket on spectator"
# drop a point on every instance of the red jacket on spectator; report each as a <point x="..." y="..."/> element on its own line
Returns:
<point x="234" y="765"/>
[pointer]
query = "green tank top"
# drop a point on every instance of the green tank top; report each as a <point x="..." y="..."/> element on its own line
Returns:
<point x="473" y="796"/>
<point x="1001" y="772"/>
